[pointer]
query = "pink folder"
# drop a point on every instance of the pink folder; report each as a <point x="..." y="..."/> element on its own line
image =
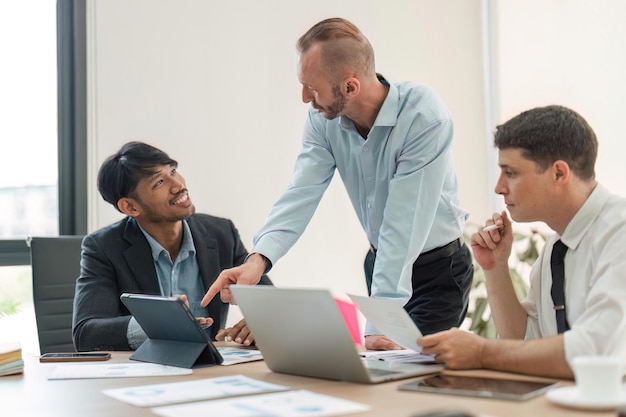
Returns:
<point x="349" y="313"/>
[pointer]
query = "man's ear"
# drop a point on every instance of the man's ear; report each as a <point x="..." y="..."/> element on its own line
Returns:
<point x="562" y="171"/>
<point x="352" y="86"/>
<point x="128" y="206"/>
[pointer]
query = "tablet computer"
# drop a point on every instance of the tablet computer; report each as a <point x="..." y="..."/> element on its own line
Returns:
<point x="174" y="336"/>
<point x="506" y="389"/>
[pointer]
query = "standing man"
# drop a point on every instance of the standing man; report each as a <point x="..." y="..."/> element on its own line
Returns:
<point x="547" y="157"/>
<point x="161" y="247"/>
<point x="392" y="146"/>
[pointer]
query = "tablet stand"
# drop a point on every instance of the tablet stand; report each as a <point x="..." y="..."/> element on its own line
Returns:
<point x="175" y="353"/>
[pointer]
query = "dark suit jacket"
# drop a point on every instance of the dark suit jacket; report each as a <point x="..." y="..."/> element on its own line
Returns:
<point x="118" y="259"/>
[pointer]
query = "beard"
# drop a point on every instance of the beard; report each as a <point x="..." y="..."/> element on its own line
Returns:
<point x="156" y="217"/>
<point x="335" y="108"/>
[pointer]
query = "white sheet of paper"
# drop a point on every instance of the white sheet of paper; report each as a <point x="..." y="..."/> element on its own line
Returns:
<point x="233" y="355"/>
<point x="391" y="319"/>
<point x="114" y="370"/>
<point x="187" y="391"/>
<point x="404" y="355"/>
<point x="300" y="403"/>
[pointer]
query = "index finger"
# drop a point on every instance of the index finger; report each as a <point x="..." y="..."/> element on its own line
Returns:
<point x="211" y="292"/>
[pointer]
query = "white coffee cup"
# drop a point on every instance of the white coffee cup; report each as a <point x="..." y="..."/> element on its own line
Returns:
<point x="599" y="378"/>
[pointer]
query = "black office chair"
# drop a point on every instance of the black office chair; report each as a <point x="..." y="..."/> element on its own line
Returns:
<point x="55" y="264"/>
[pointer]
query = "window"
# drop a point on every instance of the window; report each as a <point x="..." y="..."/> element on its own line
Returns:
<point x="28" y="190"/>
<point x="39" y="104"/>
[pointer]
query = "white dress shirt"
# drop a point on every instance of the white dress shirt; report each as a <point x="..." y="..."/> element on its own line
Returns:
<point x="595" y="281"/>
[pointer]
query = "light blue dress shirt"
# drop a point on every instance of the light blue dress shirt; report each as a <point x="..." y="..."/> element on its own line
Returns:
<point x="175" y="278"/>
<point x="400" y="180"/>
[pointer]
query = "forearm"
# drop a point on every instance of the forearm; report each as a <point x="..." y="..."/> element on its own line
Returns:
<point x="102" y="334"/>
<point x="293" y="210"/>
<point x="135" y="334"/>
<point x="541" y="357"/>
<point x="508" y="314"/>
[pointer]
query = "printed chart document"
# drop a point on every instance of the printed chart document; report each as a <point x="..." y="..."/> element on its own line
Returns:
<point x="235" y="355"/>
<point x="300" y="403"/>
<point x="114" y="370"/>
<point x="391" y="319"/>
<point x="187" y="391"/>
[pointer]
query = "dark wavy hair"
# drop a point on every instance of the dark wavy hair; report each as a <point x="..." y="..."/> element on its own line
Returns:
<point x="121" y="172"/>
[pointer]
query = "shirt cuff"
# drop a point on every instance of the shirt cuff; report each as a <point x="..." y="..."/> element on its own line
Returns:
<point x="268" y="263"/>
<point x="371" y="330"/>
<point x="135" y="334"/>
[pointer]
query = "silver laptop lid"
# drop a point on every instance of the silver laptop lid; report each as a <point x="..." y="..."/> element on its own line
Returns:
<point x="300" y="331"/>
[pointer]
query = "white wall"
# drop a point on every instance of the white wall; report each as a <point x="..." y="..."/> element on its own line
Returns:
<point x="214" y="84"/>
<point x="569" y="53"/>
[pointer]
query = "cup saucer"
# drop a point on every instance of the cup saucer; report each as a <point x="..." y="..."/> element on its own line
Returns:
<point x="570" y="397"/>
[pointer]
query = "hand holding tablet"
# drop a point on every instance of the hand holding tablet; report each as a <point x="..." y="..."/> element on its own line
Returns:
<point x="175" y="337"/>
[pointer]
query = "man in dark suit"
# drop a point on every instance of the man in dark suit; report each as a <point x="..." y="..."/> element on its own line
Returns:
<point x="162" y="248"/>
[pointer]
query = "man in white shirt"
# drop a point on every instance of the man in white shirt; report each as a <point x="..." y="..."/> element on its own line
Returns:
<point x="547" y="157"/>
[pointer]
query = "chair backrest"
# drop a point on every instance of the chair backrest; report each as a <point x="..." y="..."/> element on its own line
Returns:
<point x="55" y="264"/>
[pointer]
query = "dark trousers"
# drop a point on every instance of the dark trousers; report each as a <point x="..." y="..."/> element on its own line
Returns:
<point x="441" y="287"/>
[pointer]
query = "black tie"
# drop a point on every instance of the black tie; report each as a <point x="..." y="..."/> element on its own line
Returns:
<point x="558" y="281"/>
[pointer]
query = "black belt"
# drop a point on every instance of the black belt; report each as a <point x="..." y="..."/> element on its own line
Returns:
<point x="435" y="254"/>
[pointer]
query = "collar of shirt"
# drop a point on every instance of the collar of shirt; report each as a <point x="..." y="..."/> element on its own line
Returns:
<point x="583" y="219"/>
<point x="187" y="248"/>
<point x="387" y="115"/>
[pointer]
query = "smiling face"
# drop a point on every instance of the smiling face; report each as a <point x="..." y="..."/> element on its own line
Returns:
<point x="527" y="192"/>
<point x="162" y="197"/>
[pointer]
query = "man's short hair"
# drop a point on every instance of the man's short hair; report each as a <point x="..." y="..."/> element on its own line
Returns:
<point x="121" y="172"/>
<point x="344" y="47"/>
<point x="551" y="133"/>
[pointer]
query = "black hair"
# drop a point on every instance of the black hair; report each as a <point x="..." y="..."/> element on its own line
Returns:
<point x="121" y="172"/>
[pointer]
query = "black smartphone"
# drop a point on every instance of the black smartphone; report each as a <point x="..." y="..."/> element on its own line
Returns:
<point x="75" y="356"/>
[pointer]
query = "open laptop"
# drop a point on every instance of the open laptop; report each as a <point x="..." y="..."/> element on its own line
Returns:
<point x="302" y="332"/>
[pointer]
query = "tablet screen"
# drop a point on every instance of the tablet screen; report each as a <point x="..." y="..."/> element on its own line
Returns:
<point x="479" y="387"/>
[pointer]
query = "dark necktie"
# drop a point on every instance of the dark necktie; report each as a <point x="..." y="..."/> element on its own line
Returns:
<point x="558" y="288"/>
